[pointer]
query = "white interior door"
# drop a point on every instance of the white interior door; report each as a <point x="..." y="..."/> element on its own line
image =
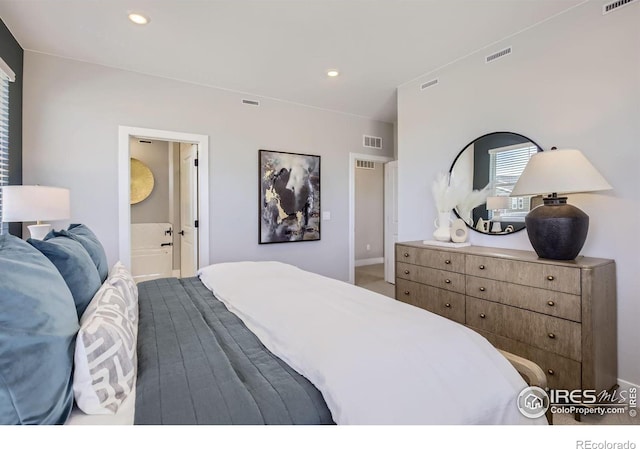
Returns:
<point x="390" y="220"/>
<point x="188" y="209"/>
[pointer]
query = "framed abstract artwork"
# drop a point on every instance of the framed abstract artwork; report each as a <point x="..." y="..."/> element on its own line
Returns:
<point x="289" y="197"/>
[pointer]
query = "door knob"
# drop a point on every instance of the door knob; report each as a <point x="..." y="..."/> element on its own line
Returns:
<point x="181" y="233"/>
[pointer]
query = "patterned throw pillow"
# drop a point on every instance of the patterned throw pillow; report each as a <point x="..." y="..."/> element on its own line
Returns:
<point x="121" y="279"/>
<point x="105" y="355"/>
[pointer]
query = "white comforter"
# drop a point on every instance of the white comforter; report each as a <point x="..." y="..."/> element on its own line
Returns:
<point x="375" y="360"/>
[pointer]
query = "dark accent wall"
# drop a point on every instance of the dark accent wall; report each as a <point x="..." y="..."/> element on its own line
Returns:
<point x="482" y="163"/>
<point x="13" y="54"/>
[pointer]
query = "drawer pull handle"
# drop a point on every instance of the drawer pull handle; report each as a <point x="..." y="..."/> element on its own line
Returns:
<point x="482" y="315"/>
<point x="406" y="271"/>
<point x="550" y="278"/>
<point x="482" y="289"/>
<point x="481" y="267"/>
<point x="406" y="292"/>
<point x="448" y="262"/>
<point x="447" y="281"/>
<point x="447" y="305"/>
<point x="551" y="372"/>
<point x="552" y="336"/>
<point x="551" y="303"/>
<point x="406" y="254"/>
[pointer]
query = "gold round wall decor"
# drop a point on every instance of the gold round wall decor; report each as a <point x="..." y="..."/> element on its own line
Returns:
<point x="141" y="181"/>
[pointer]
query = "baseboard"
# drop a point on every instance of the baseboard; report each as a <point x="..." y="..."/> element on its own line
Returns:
<point x="176" y="273"/>
<point x="624" y="385"/>
<point x="372" y="261"/>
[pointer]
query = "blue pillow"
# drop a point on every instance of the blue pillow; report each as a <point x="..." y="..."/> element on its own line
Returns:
<point x="88" y="239"/>
<point x="38" y="326"/>
<point x="75" y="265"/>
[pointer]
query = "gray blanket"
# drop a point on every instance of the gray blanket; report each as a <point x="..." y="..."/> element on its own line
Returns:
<point x="199" y="364"/>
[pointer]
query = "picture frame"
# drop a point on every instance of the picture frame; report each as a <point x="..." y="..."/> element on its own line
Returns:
<point x="288" y="197"/>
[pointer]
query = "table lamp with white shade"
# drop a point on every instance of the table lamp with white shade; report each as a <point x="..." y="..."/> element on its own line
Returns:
<point x="558" y="230"/>
<point x="497" y="204"/>
<point x="35" y="203"/>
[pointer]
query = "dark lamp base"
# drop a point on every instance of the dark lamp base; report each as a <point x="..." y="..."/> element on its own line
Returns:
<point x="557" y="230"/>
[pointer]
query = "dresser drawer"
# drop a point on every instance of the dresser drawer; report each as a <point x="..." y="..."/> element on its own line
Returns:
<point x="448" y="304"/>
<point x="430" y="258"/>
<point x="561" y="372"/>
<point x="541" y="331"/>
<point x="547" y="276"/>
<point x="549" y="302"/>
<point x="447" y="280"/>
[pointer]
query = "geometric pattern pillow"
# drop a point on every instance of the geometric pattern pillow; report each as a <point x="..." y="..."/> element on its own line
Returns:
<point x="121" y="279"/>
<point x="105" y="354"/>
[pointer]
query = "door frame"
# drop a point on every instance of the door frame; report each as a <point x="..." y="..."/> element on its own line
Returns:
<point x="390" y="199"/>
<point x="124" y="186"/>
<point x="352" y="205"/>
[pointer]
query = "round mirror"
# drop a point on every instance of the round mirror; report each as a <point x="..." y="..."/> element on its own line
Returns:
<point x="141" y="181"/>
<point x="495" y="162"/>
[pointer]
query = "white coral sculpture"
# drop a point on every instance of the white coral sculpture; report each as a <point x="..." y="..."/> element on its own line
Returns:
<point x="445" y="195"/>
<point x="470" y="201"/>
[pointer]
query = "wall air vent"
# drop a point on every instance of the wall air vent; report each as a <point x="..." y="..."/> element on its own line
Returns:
<point x="612" y="6"/>
<point x="423" y="86"/>
<point x="365" y="165"/>
<point x="372" y="142"/>
<point x="498" y="55"/>
<point x="251" y="102"/>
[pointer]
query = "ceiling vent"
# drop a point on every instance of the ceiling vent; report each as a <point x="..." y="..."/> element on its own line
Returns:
<point x="372" y="142"/>
<point x="365" y="165"/>
<point x="423" y="86"/>
<point x="498" y="55"/>
<point x="251" y="102"/>
<point x="612" y="6"/>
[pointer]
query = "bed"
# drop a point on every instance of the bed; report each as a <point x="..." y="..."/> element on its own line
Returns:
<point x="268" y="343"/>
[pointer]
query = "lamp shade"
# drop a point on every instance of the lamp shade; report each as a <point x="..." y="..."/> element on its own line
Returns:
<point x="35" y="203"/>
<point x="498" y="202"/>
<point x="559" y="171"/>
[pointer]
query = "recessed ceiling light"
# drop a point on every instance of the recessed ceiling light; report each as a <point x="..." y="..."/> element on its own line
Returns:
<point x="333" y="73"/>
<point x="138" y="19"/>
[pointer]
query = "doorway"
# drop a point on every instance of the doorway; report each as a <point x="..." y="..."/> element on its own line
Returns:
<point x="190" y="211"/>
<point x="353" y="163"/>
<point x="164" y="214"/>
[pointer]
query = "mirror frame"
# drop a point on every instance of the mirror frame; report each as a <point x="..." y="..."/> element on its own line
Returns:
<point x="462" y="151"/>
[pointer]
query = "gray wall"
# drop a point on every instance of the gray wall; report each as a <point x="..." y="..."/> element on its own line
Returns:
<point x="72" y="113"/>
<point x="571" y="82"/>
<point x="11" y="52"/>
<point x="155" y="155"/>
<point x="369" y="212"/>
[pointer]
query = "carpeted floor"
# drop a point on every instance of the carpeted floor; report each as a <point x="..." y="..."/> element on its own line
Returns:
<point x="371" y="277"/>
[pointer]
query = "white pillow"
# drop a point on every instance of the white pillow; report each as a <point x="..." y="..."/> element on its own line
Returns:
<point x="105" y="355"/>
<point x="121" y="278"/>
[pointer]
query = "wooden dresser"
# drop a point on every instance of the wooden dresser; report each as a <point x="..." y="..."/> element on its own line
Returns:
<point x="560" y="314"/>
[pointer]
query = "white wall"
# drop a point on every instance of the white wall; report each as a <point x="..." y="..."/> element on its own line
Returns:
<point x="72" y="111"/>
<point x="369" y="212"/>
<point x="573" y="81"/>
<point x="174" y="152"/>
<point x="155" y="155"/>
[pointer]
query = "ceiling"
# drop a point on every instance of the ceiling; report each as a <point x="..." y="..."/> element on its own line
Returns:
<point x="278" y="49"/>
